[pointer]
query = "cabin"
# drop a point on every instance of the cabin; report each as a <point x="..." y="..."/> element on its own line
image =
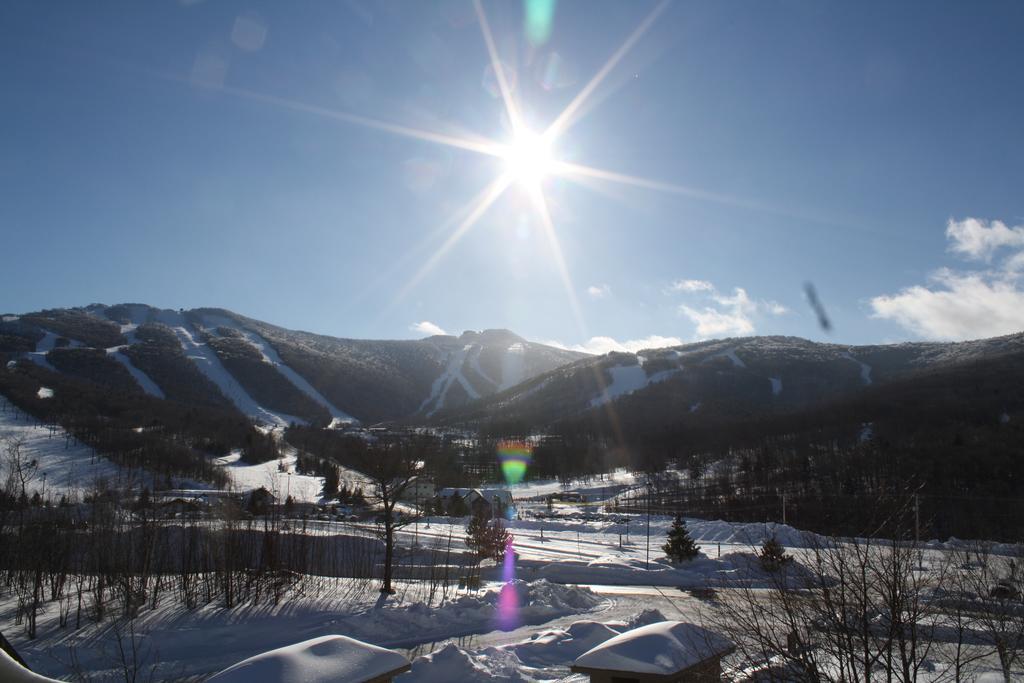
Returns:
<point x="663" y="652"/>
<point x="327" y="659"/>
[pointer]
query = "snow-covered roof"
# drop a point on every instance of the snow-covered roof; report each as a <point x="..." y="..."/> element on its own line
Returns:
<point x="502" y="495"/>
<point x="662" y="648"/>
<point x="337" y="659"/>
<point x="448" y="492"/>
<point x="12" y="672"/>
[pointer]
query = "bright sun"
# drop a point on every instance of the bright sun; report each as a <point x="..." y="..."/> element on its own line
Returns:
<point x="528" y="159"/>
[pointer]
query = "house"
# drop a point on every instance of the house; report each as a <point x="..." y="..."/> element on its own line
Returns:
<point x="470" y="498"/>
<point x="501" y="502"/>
<point x="334" y="659"/>
<point x="667" y="651"/>
<point x="419" y="491"/>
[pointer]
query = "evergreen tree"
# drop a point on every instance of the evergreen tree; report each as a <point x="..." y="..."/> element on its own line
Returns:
<point x="680" y="547"/>
<point x="773" y="556"/>
<point x="457" y="506"/>
<point x="331" y="481"/>
<point x="487" y="537"/>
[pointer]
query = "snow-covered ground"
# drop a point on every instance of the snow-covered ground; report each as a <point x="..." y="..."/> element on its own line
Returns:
<point x="63" y="466"/>
<point x="181" y="642"/>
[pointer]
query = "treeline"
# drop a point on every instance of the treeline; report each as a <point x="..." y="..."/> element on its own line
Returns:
<point x="954" y="436"/>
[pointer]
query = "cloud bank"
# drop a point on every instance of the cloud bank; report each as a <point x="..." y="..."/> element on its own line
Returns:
<point x="965" y="304"/>
<point x="602" y="345"/>
<point x="722" y="315"/>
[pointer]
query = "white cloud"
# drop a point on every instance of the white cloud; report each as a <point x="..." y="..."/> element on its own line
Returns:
<point x="957" y="306"/>
<point x="599" y="291"/>
<point x="972" y="239"/>
<point x="603" y="345"/>
<point x="691" y="286"/>
<point x="965" y="304"/>
<point x="723" y="315"/>
<point x="712" y="322"/>
<point x="426" y="327"/>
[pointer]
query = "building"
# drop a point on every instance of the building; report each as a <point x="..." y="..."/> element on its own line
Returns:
<point x="501" y="502"/>
<point x="470" y="497"/>
<point x="667" y="651"/>
<point x="419" y="491"/>
<point x="327" y="659"/>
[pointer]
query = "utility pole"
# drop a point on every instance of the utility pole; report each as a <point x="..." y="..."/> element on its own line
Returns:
<point x="647" y="562"/>
<point x="917" y="521"/>
<point x="783" y="508"/>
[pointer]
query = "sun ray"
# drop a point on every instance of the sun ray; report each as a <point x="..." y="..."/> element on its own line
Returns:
<point x="541" y="204"/>
<point x="570" y="170"/>
<point x="566" y="118"/>
<point x="479" y="206"/>
<point x="499" y="70"/>
<point x="477" y="144"/>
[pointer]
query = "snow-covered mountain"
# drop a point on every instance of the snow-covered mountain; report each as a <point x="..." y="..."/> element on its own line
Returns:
<point x="274" y="375"/>
<point x="746" y="376"/>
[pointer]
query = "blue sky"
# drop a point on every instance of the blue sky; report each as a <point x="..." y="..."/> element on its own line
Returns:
<point x="190" y="154"/>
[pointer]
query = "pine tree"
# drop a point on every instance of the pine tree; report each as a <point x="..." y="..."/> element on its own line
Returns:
<point x="773" y="556"/>
<point x="478" y="535"/>
<point x="331" y="481"/>
<point x="680" y="547"/>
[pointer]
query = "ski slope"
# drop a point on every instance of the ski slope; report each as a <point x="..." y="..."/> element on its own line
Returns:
<point x="452" y="373"/>
<point x="63" y="466"/>
<point x="270" y="355"/>
<point x="629" y="378"/>
<point x="865" y="369"/>
<point x="209" y="364"/>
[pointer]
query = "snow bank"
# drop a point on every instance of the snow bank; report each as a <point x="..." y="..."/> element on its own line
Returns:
<point x="327" y="659"/>
<point x="661" y="649"/>
<point x="539" y="601"/>
<point x="452" y="663"/>
<point x="545" y="651"/>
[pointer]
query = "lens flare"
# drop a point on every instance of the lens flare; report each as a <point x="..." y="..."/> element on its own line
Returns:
<point x="515" y="457"/>
<point x="508" y="599"/>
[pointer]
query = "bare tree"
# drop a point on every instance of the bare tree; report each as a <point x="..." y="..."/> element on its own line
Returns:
<point x="392" y="466"/>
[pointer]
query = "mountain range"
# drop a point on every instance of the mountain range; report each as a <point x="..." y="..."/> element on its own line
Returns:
<point x="214" y="357"/>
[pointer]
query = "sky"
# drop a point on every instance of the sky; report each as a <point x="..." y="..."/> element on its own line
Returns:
<point x="358" y="169"/>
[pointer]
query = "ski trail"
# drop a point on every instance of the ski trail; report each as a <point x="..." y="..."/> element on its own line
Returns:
<point x="865" y="369"/>
<point x="629" y="378"/>
<point x="513" y="366"/>
<point x="143" y="380"/>
<point x="209" y="364"/>
<point x="452" y="373"/>
<point x="271" y="356"/>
